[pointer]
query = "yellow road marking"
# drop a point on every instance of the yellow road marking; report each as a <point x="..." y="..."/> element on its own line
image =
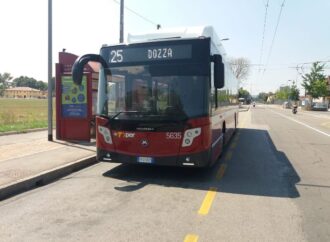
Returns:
<point x="191" y="238"/>
<point x="233" y="145"/>
<point x="228" y="155"/>
<point x="206" y="205"/>
<point x="221" y="171"/>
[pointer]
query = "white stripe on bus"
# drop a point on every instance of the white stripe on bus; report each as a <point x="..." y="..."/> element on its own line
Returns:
<point x="218" y="139"/>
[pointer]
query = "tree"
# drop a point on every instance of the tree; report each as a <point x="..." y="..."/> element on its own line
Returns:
<point x="4" y="81"/>
<point x="240" y="67"/>
<point x="315" y="82"/>
<point x="288" y="93"/>
<point x="243" y="93"/>
<point x="53" y="81"/>
<point x="283" y="93"/>
<point x="294" y="92"/>
<point x="263" y="96"/>
<point x="24" y="81"/>
<point x="41" y="85"/>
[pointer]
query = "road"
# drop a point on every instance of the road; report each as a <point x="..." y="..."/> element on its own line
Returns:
<point x="271" y="184"/>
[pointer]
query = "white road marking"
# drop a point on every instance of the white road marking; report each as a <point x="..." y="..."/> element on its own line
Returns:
<point x="316" y="115"/>
<point x="301" y="123"/>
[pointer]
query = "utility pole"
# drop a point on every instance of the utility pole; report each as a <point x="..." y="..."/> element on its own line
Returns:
<point x="50" y="96"/>
<point x="121" y="31"/>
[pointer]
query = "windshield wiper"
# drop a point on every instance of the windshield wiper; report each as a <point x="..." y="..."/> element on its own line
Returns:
<point x="118" y="113"/>
<point x="177" y="120"/>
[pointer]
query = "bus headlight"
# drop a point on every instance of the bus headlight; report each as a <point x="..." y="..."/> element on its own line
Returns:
<point x="190" y="135"/>
<point x="105" y="132"/>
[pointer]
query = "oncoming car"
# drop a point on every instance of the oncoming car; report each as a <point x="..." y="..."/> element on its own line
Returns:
<point x="287" y="105"/>
<point x="320" y="107"/>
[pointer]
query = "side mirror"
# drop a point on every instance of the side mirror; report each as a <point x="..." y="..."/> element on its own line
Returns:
<point x="78" y="66"/>
<point x="219" y="71"/>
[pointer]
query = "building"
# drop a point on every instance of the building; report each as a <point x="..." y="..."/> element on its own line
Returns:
<point x="24" y="92"/>
<point x="271" y="98"/>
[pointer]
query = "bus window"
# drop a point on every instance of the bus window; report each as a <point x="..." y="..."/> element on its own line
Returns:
<point x="116" y="93"/>
<point x="141" y="98"/>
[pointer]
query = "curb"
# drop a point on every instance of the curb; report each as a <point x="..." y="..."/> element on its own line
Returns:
<point x="22" y="131"/>
<point x="46" y="177"/>
<point x="244" y="109"/>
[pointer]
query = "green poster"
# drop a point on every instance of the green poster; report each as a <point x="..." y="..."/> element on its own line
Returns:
<point x="74" y="98"/>
<point x="72" y="93"/>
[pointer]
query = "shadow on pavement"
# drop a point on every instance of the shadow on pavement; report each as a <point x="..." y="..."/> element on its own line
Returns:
<point x="258" y="168"/>
<point x="83" y="145"/>
<point x="255" y="168"/>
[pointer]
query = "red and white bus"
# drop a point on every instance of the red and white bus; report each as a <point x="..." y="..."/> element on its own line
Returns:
<point x="167" y="98"/>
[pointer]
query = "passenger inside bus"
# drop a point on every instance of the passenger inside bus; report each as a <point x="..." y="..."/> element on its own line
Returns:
<point x="141" y="98"/>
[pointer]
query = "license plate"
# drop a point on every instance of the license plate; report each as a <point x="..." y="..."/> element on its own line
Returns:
<point x="147" y="160"/>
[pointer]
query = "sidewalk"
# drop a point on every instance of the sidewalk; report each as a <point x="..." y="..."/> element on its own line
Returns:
<point x="29" y="160"/>
<point x="244" y="108"/>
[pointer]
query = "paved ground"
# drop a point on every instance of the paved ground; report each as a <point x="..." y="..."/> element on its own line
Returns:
<point x="271" y="184"/>
<point x="25" y="156"/>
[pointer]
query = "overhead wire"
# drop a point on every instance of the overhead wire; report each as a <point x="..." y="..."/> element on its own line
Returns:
<point x="262" y="42"/>
<point x="274" y="36"/>
<point x="311" y="62"/>
<point x="139" y="15"/>
<point x="263" y="32"/>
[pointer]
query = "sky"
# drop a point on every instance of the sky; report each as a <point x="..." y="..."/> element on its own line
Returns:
<point x="82" y="26"/>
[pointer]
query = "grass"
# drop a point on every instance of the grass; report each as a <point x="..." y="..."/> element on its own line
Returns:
<point x="23" y="114"/>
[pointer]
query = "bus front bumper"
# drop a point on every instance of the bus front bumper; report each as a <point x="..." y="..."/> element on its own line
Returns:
<point x="200" y="159"/>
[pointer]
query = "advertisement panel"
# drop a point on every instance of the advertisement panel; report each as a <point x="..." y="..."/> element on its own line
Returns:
<point x="74" y="98"/>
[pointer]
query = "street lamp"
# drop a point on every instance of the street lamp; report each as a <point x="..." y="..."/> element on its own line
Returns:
<point x="121" y="22"/>
<point x="50" y="72"/>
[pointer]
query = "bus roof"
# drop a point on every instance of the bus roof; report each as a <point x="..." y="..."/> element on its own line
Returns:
<point x="180" y="33"/>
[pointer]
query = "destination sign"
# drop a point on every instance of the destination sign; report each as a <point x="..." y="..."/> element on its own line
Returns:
<point x="144" y="54"/>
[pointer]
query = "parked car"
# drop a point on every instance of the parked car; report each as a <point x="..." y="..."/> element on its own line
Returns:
<point x="241" y="102"/>
<point x="286" y="105"/>
<point x="320" y="107"/>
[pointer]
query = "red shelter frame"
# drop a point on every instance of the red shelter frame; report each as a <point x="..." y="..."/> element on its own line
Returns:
<point x="74" y="104"/>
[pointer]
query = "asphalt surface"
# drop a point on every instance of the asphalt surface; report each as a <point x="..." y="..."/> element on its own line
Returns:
<point x="271" y="184"/>
<point x="29" y="160"/>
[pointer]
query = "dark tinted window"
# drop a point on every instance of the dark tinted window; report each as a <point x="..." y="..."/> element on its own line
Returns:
<point x="138" y="92"/>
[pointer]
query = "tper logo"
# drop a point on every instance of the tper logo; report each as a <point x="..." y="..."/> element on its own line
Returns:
<point x="144" y="142"/>
<point x="129" y="135"/>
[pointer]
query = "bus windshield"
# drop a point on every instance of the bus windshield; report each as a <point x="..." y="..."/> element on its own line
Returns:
<point x="156" y="93"/>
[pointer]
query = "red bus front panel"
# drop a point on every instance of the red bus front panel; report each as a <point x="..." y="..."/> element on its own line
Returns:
<point x="166" y="148"/>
